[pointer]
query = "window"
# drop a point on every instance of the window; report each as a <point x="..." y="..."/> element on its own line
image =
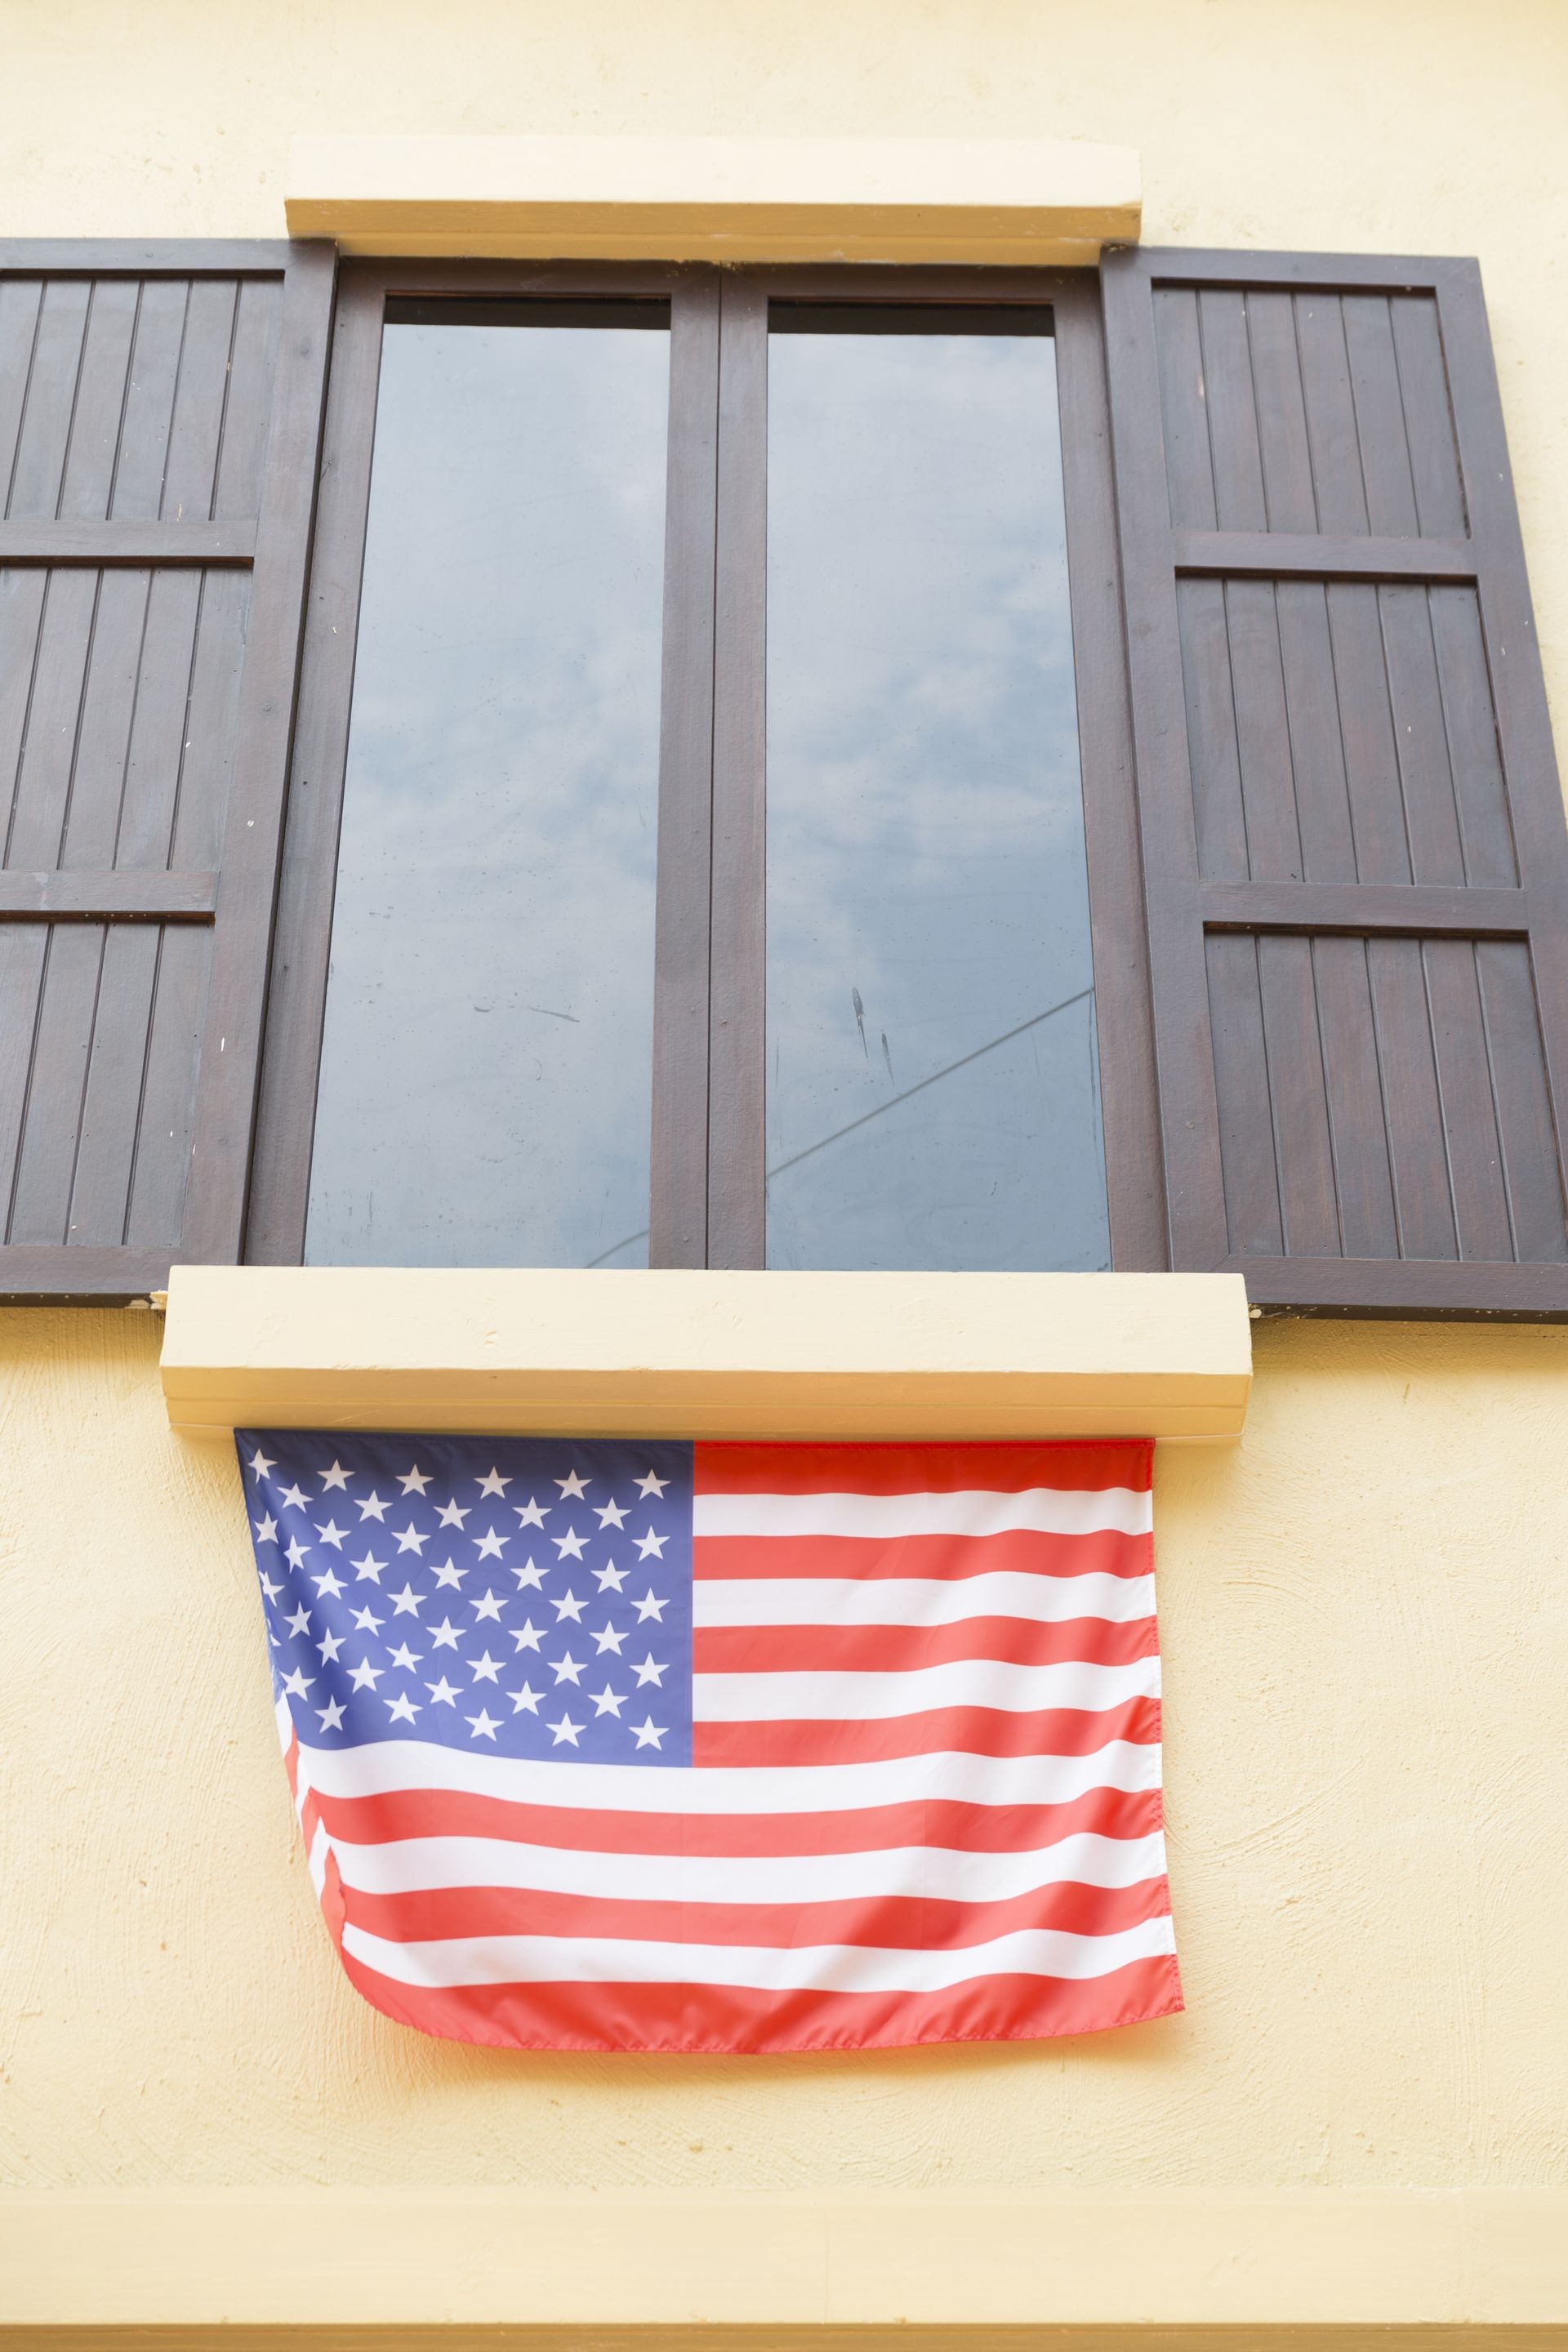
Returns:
<point x="832" y="767"/>
<point x="931" y="1079"/>
<point x="492" y="928"/>
<point x="869" y="828"/>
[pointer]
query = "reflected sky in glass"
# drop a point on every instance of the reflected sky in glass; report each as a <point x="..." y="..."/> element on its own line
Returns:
<point x="933" y="1080"/>
<point x="486" y="1066"/>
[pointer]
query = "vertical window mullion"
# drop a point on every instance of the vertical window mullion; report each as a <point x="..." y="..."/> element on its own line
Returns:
<point x="738" y="929"/>
<point x="678" y="1205"/>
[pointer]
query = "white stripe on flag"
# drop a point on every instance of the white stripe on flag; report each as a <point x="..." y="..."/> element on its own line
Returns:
<point x="824" y="1968"/>
<point x="919" y="1599"/>
<point x="320" y="1846"/>
<point x="382" y="1766"/>
<point x="829" y="1697"/>
<point x="1041" y="1510"/>
<point x="937" y="1873"/>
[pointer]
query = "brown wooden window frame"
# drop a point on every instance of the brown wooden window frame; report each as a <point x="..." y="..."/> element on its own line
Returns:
<point x="1302" y="1053"/>
<point x="707" y="1163"/>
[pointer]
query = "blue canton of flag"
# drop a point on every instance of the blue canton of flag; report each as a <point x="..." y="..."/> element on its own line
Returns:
<point x="515" y="1597"/>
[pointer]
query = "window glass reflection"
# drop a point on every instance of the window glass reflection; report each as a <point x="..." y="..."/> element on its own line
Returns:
<point x="486" y="1066"/>
<point x="933" y="1079"/>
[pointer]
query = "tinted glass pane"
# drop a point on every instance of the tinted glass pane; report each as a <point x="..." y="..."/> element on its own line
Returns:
<point x="485" y="1077"/>
<point x="932" y="1083"/>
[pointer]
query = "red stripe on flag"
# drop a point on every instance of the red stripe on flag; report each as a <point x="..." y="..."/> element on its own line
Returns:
<point x="888" y="1649"/>
<point x="890" y="1922"/>
<point x="1005" y="1466"/>
<point x="952" y="1730"/>
<point x="725" y="2019"/>
<point x="1019" y="1553"/>
<point x="927" y="1821"/>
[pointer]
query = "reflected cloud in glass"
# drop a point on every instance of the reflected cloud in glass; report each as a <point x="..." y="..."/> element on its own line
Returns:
<point x="485" y="1067"/>
<point x="933" y="1080"/>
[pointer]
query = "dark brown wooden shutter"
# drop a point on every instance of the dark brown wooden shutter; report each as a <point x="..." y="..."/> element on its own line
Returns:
<point x="1355" y="857"/>
<point x="160" y="414"/>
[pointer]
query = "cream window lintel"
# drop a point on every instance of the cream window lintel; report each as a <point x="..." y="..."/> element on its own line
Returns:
<point x="904" y="200"/>
<point x="691" y="1354"/>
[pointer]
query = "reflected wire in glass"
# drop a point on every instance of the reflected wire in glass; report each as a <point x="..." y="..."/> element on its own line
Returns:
<point x="933" y="1074"/>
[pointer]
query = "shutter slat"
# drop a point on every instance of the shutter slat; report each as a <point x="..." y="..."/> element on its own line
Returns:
<point x="147" y="661"/>
<point x="1524" y="1111"/>
<point x="1465" y="1085"/>
<point x="1282" y="414"/>
<point x="1189" y="472"/>
<point x="1211" y="727"/>
<point x="1358" y="1138"/>
<point x="1318" y="757"/>
<point x="49" y="721"/>
<point x="212" y="723"/>
<point x="1381" y="432"/>
<point x="1262" y="731"/>
<point x="21" y="617"/>
<point x="1361" y="1017"/>
<point x="48" y="400"/>
<point x="24" y="948"/>
<point x="1426" y="783"/>
<point x="89" y="473"/>
<point x="1424" y="390"/>
<point x="173" y="1060"/>
<point x="143" y="453"/>
<point x="1331" y="438"/>
<point x="1296" y="1087"/>
<point x="51" y="1117"/>
<point x="19" y="302"/>
<point x="106" y="1146"/>
<point x="1470" y="733"/>
<point x="1367" y="734"/>
<point x="1232" y="415"/>
<point x="1241" y="1077"/>
<point x="1412" y="1109"/>
<point x="91" y="818"/>
<point x="158" y="730"/>
<point x="200" y="399"/>
<point x="237" y="488"/>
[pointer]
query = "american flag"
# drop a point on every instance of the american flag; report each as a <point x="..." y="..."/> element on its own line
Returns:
<point x="616" y="1744"/>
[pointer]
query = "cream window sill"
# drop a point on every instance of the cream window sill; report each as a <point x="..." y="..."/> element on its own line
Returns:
<point x="559" y="1352"/>
<point x="909" y="200"/>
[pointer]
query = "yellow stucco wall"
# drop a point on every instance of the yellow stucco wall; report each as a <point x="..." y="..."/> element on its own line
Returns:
<point x="1391" y="126"/>
<point x="1365" y="1605"/>
<point x="1365" y="1613"/>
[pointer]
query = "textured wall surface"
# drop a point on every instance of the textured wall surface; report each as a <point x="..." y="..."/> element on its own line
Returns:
<point x="1364" y="1614"/>
<point x="1365" y="1606"/>
<point x="1391" y="126"/>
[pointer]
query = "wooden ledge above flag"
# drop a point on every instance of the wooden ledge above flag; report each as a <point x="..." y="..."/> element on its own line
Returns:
<point x="555" y="1351"/>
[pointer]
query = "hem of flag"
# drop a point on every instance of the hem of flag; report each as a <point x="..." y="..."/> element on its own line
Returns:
<point x="766" y="2025"/>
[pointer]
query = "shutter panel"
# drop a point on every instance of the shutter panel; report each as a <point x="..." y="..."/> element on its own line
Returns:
<point x="160" y="412"/>
<point x="1354" y="848"/>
